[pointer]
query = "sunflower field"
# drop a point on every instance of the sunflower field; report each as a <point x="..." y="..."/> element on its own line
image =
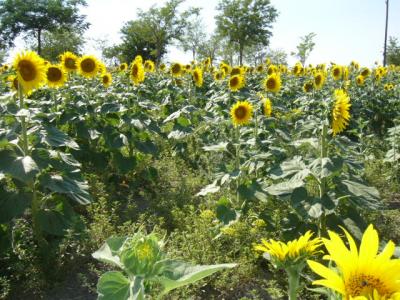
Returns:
<point x="198" y="181"/>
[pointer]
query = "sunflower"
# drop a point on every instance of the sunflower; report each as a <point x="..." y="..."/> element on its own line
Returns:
<point x="388" y="86"/>
<point x="137" y="72"/>
<point x="31" y="71"/>
<point x="162" y="67"/>
<point x="123" y="67"/>
<point x="360" y="274"/>
<point x="267" y="107"/>
<point x="56" y="76"/>
<point x="236" y="82"/>
<point x="360" y="80"/>
<point x="197" y="77"/>
<point x="88" y="66"/>
<point x="13" y="82"/>
<point x="308" y="87"/>
<point x="365" y="72"/>
<point x="272" y="69"/>
<point x="69" y="61"/>
<point x="149" y="66"/>
<point x="219" y="75"/>
<point x="273" y="83"/>
<point x="224" y="67"/>
<point x="340" y="113"/>
<point x="319" y="80"/>
<point x="241" y="113"/>
<point x="287" y="254"/>
<point x="337" y="72"/>
<point x="176" y="69"/>
<point x="106" y="79"/>
<point x="260" y="68"/>
<point x="138" y="58"/>
<point x="237" y="71"/>
<point x="298" y="69"/>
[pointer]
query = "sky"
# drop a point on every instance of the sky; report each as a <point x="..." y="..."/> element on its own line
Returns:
<point x="345" y="29"/>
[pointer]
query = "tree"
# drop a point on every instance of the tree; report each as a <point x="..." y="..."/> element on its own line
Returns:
<point x="245" y="22"/>
<point x="209" y="48"/>
<point x="59" y="41"/>
<point x="305" y="47"/>
<point x="193" y="37"/>
<point x="277" y="56"/>
<point x="393" y="52"/>
<point x="36" y="17"/>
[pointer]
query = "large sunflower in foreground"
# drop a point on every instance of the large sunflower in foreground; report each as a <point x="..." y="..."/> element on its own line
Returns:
<point x="88" y="66"/>
<point x="197" y="77"/>
<point x="360" y="274"/>
<point x="69" y="61"/>
<point x="31" y="70"/>
<point x="137" y="72"/>
<point x="241" y="113"/>
<point x="56" y="76"/>
<point x="236" y="82"/>
<point x="340" y="113"/>
<point x="273" y="83"/>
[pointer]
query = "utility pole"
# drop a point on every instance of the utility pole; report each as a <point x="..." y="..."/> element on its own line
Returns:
<point x="386" y="29"/>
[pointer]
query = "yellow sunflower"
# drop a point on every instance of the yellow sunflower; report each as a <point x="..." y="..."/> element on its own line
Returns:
<point x="308" y="87"/>
<point x="197" y="77"/>
<point x="273" y="83"/>
<point x="106" y="79"/>
<point x="13" y="82"/>
<point x="272" y="69"/>
<point x="298" y="69"/>
<point x="137" y="72"/>
<point x="337" y="72"/>
<point x="149" y="66"/>
<point x="260" y="68"/>
<point x="319" y="80"/>
<point x="138" y="58"/>
<point x="340" y="113"/>
<point x="267" y="107"/>
<point x="31" y="70"/>
<point x="226" y="68"/>
<point x="289" y="253"/>
<point x="176" y="69"/>
<point x="360" y="273"/>
<point x="241" y="113"/>
<point x="123" y="67"/>
<point x="360" y="80"/>
<point x="238" y="70"/>
<point x="69" y="61"/>
<point x="56" y="76"/>
<point x="388" y="86"/>
<point x="236" y="82"/>
<point x="162" y="67"/>
<point x="88" y="66"/>
<point x="365" y="72"/>
<point x="219" y="75"/>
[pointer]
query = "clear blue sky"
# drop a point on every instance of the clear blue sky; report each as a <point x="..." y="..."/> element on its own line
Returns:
<point x="345" y="29"/>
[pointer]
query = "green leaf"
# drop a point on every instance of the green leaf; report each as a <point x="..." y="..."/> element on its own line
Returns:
<point x="77" y="190"/>
<point x="123" y="164"/>
<point x="113" y="286"/>
<point x="108" y="253"/>
<point x="223" y="146"/>
<point x="56" y="138"/>
<point x="179" y="273"/>
<point x="288" y="168"/>
<point x="284" y="188"/>
<point x="364" y="195"/>
<point x="225" y="213"/>
<point x="209" y="189"/>
<point x="253" y="191"/>
<point x="23" y="168"/>
<point x="13" y="204"/>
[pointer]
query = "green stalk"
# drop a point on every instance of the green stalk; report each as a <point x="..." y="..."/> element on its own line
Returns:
<point x="24" y="136"/>
<point x="237" y="162"/>
<point x="294" y="279"/>
<point x="322" y="184"/>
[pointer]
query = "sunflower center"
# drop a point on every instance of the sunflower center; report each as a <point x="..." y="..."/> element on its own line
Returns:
<point x="88" y="65"/>
<point x="135" y="70"/>
<point x="105" y="79"/>
<point x="70" y="63"/>
<point x="336" y="72"/>
<point x="318" y="79"/>
<point x="364" y="285"/>
<point x="27" y="70"/>
<point x="196" y="76"/>
<point x="271" y="83"/>
<point x="240" y="112"/>
<point x="234" y="81"/>
<point x="54" y="74"/>
<point x="176" y="69"/>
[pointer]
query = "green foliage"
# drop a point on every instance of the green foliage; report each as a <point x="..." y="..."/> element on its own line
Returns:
<point x="393" y="52"/>
<point x="305" y="47"/>
<point x="245" y="22"/>
<point x="36" y="17"/>
<point x="142" y="260"/>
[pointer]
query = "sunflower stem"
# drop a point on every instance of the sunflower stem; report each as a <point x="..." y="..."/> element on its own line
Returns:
<point x="322" y="181"/>
<point x="294" y="279"/>
<point x="24" y="136"/>
<point x="237" y="162"/>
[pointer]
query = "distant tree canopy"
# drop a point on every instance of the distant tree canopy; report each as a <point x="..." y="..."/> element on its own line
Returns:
<point x="193" y="37"/>
<point x="36" y="17"/>
<point x="59" y="41"/>
<point x="245" y="22"/>
<point x="151" y="33"/>
<point x="393" y="51"/>
<point x="305" y="47"/>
